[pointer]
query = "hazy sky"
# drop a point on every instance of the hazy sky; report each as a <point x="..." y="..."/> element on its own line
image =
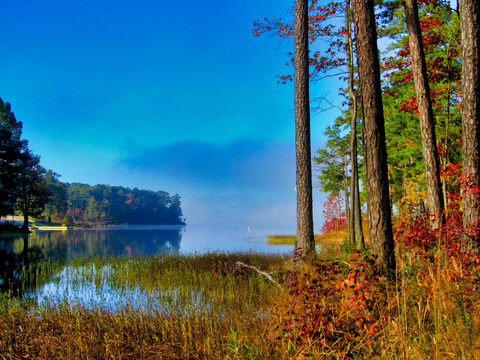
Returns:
<point x="162" y="95"/>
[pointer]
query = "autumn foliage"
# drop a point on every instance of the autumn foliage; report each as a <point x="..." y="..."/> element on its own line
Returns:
<point x="321" y="26"/>
<point x="340" y="306"/>
<point x="334" y="307"/>
<point x="334" y="215"/>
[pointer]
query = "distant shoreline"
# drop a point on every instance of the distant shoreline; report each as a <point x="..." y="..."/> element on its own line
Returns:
<point x="12" y="224"/>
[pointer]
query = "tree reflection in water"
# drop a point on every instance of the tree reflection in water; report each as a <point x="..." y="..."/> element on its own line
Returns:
<point x="18" y="265"/>
<point x="103" y="242"/>
<point x="21" y="257"/>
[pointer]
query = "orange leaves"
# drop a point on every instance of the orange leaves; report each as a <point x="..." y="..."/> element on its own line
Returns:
<point x="451" y="172"/>
<point x="279" y="26"/>
<point x="335" y="304"/>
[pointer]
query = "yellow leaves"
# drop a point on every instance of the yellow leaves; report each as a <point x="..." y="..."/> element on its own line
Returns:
<point x="413" y="193"/>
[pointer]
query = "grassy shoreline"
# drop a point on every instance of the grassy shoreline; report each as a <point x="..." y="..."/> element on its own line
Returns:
<point x="196" y="306"/>
<point x="206" y="307"/>
<point x="336" y="237"/>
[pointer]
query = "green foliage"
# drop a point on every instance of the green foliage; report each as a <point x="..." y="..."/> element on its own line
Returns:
<point x="57" y="205"/>
<point x="26" y="186"/>
<point x="332" y="159"/>
<point x="11" y="148"/>
<point x="440" y="31"/>
<point x="22" y="179"/>
<point x="82" y="204"/>
<point x="33" y="192"/>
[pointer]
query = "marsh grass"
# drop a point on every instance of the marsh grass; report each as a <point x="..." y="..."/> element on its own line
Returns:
<point x="193" y="306"/>
<point x="438" y="307"/>
<point x="202" y="307"/>
<point x="320" y="239"/>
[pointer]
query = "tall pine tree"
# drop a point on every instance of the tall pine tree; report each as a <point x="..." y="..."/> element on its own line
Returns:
<point x="305" y="240"/>
<point x="470" y="27"/>
<point x="378" y="199"/>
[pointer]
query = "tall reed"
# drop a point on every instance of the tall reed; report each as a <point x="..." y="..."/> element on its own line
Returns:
<point x="192" y="306"/>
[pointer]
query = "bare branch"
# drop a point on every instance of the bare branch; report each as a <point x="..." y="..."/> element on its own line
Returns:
<point x="263" y="273"/>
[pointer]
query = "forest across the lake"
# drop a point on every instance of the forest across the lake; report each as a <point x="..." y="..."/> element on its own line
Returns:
<point x="27" y="188"/>
<point x="82" y="204"/>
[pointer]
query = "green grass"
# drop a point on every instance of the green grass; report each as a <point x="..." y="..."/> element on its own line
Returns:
<point x="320" y="239"/>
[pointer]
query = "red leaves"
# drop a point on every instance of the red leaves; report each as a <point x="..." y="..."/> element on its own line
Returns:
<point x="410" y="105"/>
<point x="335" y="218"/>
<point x="335" y="304"/>
<point x="427" y="24"/>
<point x="413" y="226"/>
<point x="284" y="79"/>
<point x="440" y="34"/>
<point x="322" y="25"/>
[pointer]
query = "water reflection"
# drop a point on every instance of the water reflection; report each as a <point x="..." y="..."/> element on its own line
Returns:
<point x="72" y="284"/>
<point x="22" y="259"/>
<point x="118" y="241"/>
<point x="18" y="263"/>
<point x="21" y="256"/>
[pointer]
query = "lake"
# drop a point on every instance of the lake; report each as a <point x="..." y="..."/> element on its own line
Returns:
<point x="18" y="253"/>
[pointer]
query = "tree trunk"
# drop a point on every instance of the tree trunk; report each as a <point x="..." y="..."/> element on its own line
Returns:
<point x="353" y="125"/>
<point x="348" y="211"/>
<point x="427" y="120"/>
<point x="358" y="210"/>
<point x="25" y="221"/>
<point x="355" y="222"/>
<point x="378" y="197"/>
<point x="305" y="241"/>
<point x="470" y="27"/>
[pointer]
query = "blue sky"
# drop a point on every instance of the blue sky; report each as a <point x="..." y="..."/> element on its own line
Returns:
<point x="161" y="95"/>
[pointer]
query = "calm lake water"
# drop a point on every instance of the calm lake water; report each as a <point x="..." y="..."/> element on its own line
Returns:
<point x="17" y="252"/>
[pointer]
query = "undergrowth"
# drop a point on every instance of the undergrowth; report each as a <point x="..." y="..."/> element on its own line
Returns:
<point x="340" y="306"/>
<point x="336" y="306"/>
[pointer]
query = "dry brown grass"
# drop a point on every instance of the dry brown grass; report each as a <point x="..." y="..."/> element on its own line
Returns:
<point x="72" y="332"/>
<point x="229" y="319"/>
<point x="431" y="311"/>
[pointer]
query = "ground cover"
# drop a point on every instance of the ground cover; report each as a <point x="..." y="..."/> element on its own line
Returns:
<point x="9" y="229"/>
<point x="338" y="306"/>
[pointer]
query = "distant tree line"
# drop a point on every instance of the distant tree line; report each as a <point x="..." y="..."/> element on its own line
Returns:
<point x="82" y="204"/>
<point x="29" y="189"/>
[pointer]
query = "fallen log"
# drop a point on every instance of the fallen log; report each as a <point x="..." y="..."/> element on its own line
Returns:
<point x="257" y="270"/>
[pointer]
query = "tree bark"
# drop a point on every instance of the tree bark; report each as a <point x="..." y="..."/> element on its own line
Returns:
<point x="427" y="119"/>
<point x="348" y="211"/>
<point x="305" y="240"/>
<point x="25" y="221"/>
<point x="378" y="197"/>
<point x="355" y="222"/>
<point x="470" y="28"/>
